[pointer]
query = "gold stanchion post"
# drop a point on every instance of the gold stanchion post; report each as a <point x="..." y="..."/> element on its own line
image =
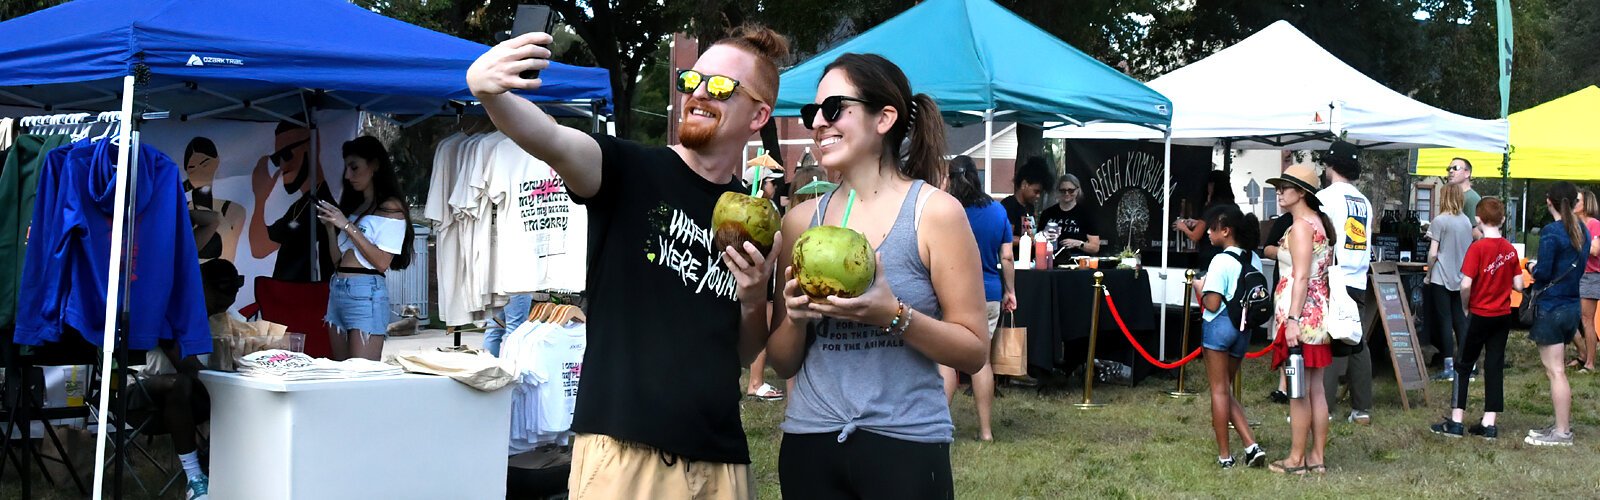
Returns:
<point x="1094" y="332"/>
<point x="1188" y="291"/>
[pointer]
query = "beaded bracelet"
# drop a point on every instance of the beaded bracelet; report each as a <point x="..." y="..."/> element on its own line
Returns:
<point x="899" y="315"/>
<point x="906" y="324"/>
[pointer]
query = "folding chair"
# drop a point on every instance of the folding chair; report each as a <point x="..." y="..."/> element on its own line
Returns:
<point x="23" y="404"/>
<point x="144" y="418"/>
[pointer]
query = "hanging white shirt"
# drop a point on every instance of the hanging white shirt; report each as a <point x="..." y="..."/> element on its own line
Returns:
<point x="439" y="183"/>
<point x="558" y="370"/>
<point x="453" y="278"/>
<point x="534" y="221"/>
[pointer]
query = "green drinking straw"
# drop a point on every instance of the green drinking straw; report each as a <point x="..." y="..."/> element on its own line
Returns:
<point x="848" y="204"/>
<point x="755" y="185"/>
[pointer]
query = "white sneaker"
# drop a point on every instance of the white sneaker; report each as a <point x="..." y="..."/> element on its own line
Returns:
<point x="1552" y="439"/>
<point x="1359" y="417"/>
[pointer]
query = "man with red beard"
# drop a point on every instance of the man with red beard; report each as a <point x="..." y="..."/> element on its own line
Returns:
<point x="671" y="319"/>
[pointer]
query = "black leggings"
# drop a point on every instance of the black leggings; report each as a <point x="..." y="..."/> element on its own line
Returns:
<point x="1445" y="318"/>
<point x="1485" y="335"/>
<point x="865" y="466"/>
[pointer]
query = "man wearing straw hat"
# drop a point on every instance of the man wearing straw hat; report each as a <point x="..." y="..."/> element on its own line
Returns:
<point x="671" y="318"/>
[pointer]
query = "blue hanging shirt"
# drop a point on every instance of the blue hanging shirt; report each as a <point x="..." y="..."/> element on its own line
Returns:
<point x="65" y="272"/>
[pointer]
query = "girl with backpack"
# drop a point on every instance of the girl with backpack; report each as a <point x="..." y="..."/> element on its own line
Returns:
<point x="1225" y="297"/>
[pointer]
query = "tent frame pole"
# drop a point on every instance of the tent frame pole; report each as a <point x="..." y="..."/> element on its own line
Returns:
<point x="1166" y="235"/>
<point x="108" y="343"/>
<point x="988" y="151"/>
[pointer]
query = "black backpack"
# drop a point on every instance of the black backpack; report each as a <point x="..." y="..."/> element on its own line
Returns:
<point x="1252" y="298"/>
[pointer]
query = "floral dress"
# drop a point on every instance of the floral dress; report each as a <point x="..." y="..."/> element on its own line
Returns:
<point x="1313" y="334"/>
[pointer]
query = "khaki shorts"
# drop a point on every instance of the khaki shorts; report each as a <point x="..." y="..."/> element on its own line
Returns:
<point x="606" y="468"/>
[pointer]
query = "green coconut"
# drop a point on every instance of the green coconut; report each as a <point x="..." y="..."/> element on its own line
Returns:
<point x="834" y="261"/>
<point x="739" y="218"/>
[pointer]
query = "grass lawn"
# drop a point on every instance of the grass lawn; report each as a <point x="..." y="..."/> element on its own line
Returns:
<point x="1144" y="444"/>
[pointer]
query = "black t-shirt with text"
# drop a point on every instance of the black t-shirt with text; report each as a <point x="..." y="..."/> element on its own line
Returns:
<point x="662" y="364"/>
<point x="1014" y="212"/>
<point x="1076" y="224"/>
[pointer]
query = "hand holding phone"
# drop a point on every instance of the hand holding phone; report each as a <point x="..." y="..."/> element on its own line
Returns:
<point x="532" y="18"/>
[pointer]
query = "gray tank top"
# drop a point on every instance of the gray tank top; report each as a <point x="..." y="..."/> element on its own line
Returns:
<point x="855" y="377"/>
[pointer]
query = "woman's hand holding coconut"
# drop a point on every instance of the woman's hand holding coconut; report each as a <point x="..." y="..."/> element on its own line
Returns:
<point x="877" y="307"/>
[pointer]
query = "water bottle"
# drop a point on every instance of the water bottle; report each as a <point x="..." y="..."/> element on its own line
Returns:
<point x="1295" y="372"/>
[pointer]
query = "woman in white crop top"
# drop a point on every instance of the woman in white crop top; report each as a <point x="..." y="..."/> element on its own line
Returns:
<point x="374" y="237"/>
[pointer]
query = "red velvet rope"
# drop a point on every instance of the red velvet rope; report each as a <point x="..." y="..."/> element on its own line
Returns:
<point x="1147" y="357"/>
<point x="1112" y="305"/>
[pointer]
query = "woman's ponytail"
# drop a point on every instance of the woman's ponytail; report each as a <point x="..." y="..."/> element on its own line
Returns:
<point x="924" y="157"/>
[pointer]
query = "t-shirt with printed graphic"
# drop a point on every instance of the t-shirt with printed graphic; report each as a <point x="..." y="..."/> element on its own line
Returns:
<point x="1351" y="215"/>
<point x="540" y="232"/>
<point x="558" y="372"/>
<point x="662" y="365"/>
<point x="1076" y="224"/>
<point x="1491" y="263"/>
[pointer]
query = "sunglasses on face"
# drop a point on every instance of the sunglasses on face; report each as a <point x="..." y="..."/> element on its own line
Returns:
<point x="1455" y="168"/>
<point x="830" y="108"/>
<point x="1068" y="190"/>
<point x="718" y="87"/>
<point x="283" y="156"/>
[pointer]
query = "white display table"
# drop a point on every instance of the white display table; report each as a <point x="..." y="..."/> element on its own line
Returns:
<point x="401" y="437"/>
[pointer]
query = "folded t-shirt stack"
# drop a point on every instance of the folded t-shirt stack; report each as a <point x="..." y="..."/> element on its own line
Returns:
<point x="286" y="365"/>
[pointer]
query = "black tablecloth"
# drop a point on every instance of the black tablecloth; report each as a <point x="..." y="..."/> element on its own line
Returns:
<point x="1054" y="306"/>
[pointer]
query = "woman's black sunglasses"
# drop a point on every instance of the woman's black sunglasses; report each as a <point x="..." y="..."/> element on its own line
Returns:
<point x="830" y="107"/>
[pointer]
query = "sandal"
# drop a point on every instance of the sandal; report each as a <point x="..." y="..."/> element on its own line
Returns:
<point x="1318" y="469"/>
<point x="767" y="393"/>
<point x="1282" y="467"/>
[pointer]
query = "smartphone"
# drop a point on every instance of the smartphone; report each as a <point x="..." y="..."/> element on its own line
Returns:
<point x="532" y="18"/>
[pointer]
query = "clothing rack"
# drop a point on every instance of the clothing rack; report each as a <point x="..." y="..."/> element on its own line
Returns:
<point x="124" y="130"/>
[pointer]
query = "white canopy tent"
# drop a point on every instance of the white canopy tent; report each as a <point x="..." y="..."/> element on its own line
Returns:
<point x="1278" y="89"/>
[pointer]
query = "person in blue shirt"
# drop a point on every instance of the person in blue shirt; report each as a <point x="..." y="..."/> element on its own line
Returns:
<point x="1563" y="246"/>
<point x="992" y="228"/>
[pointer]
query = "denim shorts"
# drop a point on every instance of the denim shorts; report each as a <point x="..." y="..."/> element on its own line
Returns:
<point x="1220" y="334"/>
<point x="359" y="302"/>
<point x="1555" y="325"/>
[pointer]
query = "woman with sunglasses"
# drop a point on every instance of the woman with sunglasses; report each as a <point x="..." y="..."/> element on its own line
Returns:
<point x="1071" y="221"/>
<point x="1302" y="294"/>
<point x="868" y="417"/>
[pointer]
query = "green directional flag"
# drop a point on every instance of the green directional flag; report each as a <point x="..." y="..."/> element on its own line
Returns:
<point x="1503" y="12"/>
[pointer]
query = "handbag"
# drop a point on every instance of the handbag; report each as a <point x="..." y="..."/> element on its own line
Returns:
<point x="1530" y="307"/>
<point x="1010" y="353"/>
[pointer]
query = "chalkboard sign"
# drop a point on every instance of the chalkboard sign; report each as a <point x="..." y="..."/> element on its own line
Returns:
<point x="1386" y="247"/>
<point x="1404" y="351"/>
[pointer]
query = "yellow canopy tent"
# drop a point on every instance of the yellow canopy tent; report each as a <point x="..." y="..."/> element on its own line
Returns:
<point x="1559" y="139"/>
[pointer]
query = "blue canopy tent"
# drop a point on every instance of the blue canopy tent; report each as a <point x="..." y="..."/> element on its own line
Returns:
<point x="242" y="60"/>
<point x="251" y="60"/>
<point x="979" y="60"/>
